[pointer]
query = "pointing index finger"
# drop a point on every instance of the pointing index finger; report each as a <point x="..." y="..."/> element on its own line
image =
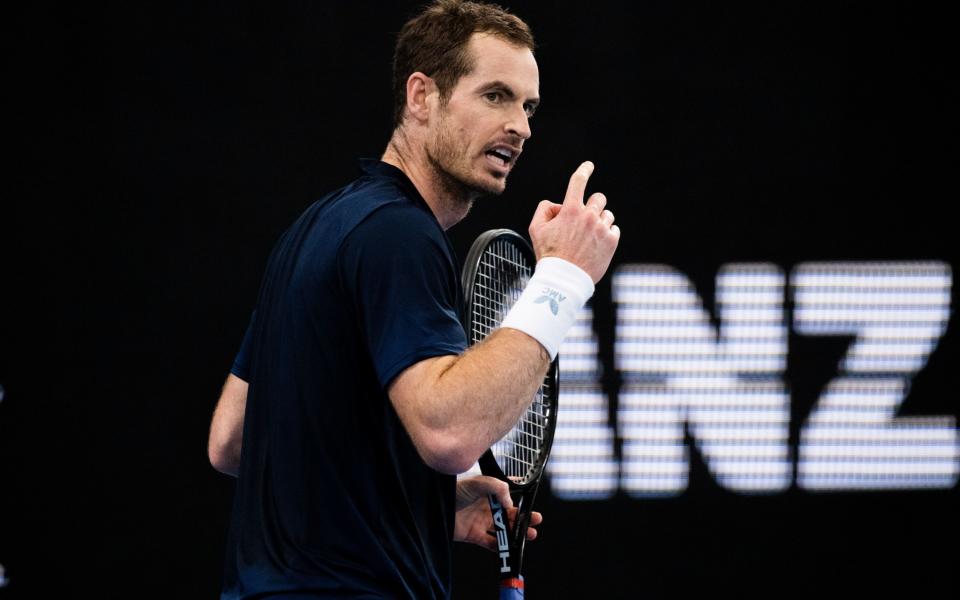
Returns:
<point x="578" y="184"/>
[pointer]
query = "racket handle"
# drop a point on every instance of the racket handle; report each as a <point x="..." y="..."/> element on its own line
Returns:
<point x="511" y="589"/>
<point x="501" y="532"/>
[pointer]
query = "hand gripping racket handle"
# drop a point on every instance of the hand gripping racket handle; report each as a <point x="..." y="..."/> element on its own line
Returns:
<point x="511" y="541"/>
<point x="501" y="531"/>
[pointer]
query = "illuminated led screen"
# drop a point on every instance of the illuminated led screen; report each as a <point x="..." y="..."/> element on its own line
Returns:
<point x="723" y="384"/>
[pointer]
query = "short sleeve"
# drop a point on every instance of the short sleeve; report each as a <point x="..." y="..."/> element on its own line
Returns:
<point x="241" y="364"/>
<point x="398" y="270"/>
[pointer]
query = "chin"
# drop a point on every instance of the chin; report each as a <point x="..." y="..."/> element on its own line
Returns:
<point x="490" y="189"/>
<point x="485" y="185"/>
<point x="492" y="184"/>
<point x="494" y="188"/>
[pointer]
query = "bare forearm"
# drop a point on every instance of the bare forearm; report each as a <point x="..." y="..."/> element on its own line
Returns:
<point x="226" y="427"/>
<point x="470" y="401"/>
<point x="488" y="387"/>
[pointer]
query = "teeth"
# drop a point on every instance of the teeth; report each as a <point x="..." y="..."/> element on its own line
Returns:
<point x="503" y="154"/>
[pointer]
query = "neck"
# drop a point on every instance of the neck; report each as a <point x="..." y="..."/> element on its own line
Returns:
<point x="448" y="199"/>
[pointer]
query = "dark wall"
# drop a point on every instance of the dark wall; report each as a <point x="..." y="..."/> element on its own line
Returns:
<point x="156" y="153"/>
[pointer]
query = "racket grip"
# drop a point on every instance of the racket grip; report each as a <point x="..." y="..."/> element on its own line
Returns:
<point x="501" y="531"/>
<point x="511" y="589"/>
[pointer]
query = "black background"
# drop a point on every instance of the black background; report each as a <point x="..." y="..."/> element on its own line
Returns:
<point x="155" y="153"/>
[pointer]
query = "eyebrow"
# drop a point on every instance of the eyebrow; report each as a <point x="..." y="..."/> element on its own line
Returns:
<point x="506" y="89"/>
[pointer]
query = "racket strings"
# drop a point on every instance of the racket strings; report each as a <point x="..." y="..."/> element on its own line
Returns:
<point x="502" y="274"/>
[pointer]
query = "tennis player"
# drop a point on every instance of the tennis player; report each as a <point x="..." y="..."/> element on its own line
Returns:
<point x="352" y="403"/>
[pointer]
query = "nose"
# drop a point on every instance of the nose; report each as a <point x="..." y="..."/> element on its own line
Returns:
<point x="519" y="123"/>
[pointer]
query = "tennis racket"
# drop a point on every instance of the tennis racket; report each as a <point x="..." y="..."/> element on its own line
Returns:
<point x="497" y="269"/>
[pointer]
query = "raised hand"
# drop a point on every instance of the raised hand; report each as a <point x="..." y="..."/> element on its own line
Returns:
<point x="583" y="234"/>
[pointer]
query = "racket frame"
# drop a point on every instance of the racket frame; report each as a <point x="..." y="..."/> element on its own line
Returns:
<point x="511" y="541"/>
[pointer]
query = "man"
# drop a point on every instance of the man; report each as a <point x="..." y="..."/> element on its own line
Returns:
<point x="362" y="402"/>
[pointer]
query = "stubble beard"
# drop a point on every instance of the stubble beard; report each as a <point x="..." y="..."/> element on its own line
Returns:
<point x="452" y="166"/>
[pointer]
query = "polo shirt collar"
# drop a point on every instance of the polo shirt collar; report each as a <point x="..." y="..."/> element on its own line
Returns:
<point x="375" y="167"/>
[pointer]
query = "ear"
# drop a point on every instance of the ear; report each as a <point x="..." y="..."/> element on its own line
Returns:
<point x="422" y="93"/>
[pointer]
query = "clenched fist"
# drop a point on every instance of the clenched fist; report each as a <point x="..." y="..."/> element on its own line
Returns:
<point x="583" y="234"/>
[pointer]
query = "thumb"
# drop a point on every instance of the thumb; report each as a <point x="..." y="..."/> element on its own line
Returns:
<point x="471" y="489"/>
<point x="545" y="212"/>
<point x="500" y="489"/>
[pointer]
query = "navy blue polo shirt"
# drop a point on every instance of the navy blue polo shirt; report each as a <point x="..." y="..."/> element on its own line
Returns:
<point x="332" y="498"/>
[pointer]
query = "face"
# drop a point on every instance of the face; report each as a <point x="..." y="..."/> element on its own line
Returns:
<point x="479" y="132"/>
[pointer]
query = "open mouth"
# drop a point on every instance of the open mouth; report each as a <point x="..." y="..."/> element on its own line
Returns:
<point x="501" y="156"/>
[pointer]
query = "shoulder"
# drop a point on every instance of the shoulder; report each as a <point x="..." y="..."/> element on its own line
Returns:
<point x="398" y="239"/>
<point x="399" y="223"/>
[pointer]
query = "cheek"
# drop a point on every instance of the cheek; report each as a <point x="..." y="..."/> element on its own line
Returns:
<point x="470" y="120"/>
<point x="462" y="125"/>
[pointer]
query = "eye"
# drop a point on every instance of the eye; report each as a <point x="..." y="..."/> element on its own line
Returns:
<point x="493" y="97"/>
<point x="530" y="109"/>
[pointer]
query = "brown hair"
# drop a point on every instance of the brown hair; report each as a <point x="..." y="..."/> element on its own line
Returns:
<point x="435" y="43"/>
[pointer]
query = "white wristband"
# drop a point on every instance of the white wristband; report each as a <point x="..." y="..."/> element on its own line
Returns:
<point x="549" y="304"/>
